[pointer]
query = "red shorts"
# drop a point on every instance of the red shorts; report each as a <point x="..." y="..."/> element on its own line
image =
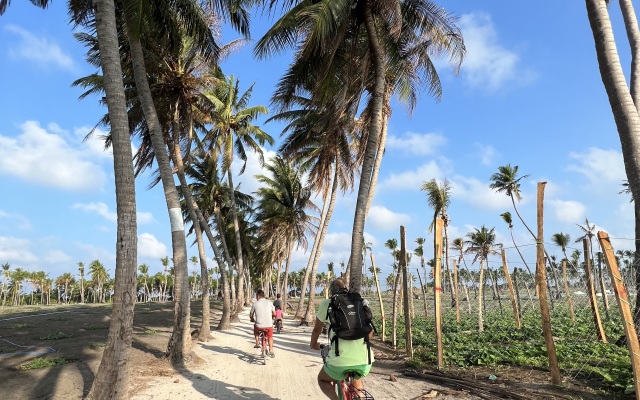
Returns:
<point x="268" y="331"/>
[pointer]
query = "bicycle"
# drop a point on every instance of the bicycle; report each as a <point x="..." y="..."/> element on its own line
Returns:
<point x="345" y="388"/>
<point x="278" y="324"/>
<point x="262" y="339"/>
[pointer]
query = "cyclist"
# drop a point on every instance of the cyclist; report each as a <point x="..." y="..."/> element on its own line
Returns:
<point x="278" y="320"/>
<point x="262" y="313"/>
<point x="353" y="353"/>
<point x="278" y="302"/>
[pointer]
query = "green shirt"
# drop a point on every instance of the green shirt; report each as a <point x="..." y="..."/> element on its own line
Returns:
<point x="352" y="352"/>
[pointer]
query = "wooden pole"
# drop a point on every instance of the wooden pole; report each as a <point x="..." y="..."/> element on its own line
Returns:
<point x="424" y="293"/>
<point x="457" y="291"/>
<point x="592" y="293"/>
<point x="437" y="291"/>
<point x="375" y="277"/>
<point x="541" y="279"/>
<point x="512" y="294"/>
<point x="515" y="284"/>
<point x="566" y="289"/>
<point x="623" y="304"/>
<point x="603" y="289"/>
<point x="407" y="311"/>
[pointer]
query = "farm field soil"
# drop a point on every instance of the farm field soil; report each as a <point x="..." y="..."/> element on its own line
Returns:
<point x="227" y="366"/>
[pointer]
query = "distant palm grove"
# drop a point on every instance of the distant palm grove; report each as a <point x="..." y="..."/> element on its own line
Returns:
<point x="160" y="79"/>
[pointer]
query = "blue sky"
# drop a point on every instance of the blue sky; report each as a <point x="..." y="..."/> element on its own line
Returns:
<point x="529" y="93"/>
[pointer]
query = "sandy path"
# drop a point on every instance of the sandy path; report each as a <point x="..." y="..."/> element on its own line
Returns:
<point x="234" y="370"/>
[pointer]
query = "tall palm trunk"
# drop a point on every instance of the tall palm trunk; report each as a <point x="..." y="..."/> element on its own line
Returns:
<point x="480" y="297"/>
<point x="375" y="127"/>
<point x="285" y="284"/>
<point x="179" y="345"/>
<point x="307" y="270"/>
<point x="382" y="142"/>
<point x="236" y="230"/>
<point x="633" y="34"/>
<point x="112" y="379"/>
<point x="624" y="110"/>
<point x="310" y="315"/>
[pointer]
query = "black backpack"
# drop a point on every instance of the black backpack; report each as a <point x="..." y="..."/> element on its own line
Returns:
<point x="349" y="319"/>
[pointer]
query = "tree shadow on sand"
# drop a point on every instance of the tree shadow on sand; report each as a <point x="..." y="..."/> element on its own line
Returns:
<point x="219" y="390"/>
<point x="244" y="356"/>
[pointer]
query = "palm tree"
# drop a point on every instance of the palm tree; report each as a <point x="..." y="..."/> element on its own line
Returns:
<point x="6" y="271"/>
<point x="438" y="198"/>
<point x="144" y="271"/>
<point x="81" y="270"/>
<point x="39" y="3"/>
<point x="481" y="242"/>
<point x="419" y="251"/>
<point x="233" y="128"/>
<point x="332" y="46"/>
<point x="506" y="217"/>
<point x="506" y="180"/>
<point x="621" y="100"/>
<point x="284" y="202"/>
<point x="392" y="244"/>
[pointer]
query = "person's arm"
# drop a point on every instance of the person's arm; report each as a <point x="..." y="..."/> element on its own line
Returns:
<point x="252" y="314"/>
<point x="315" y="334"/>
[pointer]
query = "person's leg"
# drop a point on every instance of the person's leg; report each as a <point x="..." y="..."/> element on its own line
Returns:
<point x="255" y="335"/>
<point x="269" y="334"/>
<point x="327" y="385"/>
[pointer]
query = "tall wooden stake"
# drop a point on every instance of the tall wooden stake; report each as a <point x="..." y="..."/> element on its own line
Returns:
<point x="375" y="276"/>
<point x="457" y="291"/>
<point x="592" y="293"/>
<point x="623" y="304"/>
<point x="514" y="304"/>
<point x="541" y="279"/>
<point x="437" y="291"/>
<point x="407" y="311"/>
<point x="566" y="289"/>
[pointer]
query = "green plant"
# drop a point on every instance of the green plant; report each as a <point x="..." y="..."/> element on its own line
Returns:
<point x="97" y="327"/>
<point x="44" y="363"/>
<point x="15" y="326"/>
<point x="56" y="336"/>
<point x="151" y="332"/>
<point x="97" y="345"/>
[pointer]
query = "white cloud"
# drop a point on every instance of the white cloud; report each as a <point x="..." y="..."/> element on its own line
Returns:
<point x="40" y="50"/>
<point x="487" y="63"/>
<point x="248" y="182"/>
<point x="382" y="218"/>
<point x="15" y="250"/>
<point x="149" y="246"/>
<point x="144" y="217"/>
<point x="420" y="144"/>
<point x="487" y="154"/>
<point x="414" y="179"/>
<point x="15" y="221"/>
<point x="57" y="257"/>
<point x="478" y="193"/>
<point x="46" y="159"/>
<point x="599" y="166"/>
<point x="102" y="210"/>
<point x="98" y="208"/>
<point x="568" y="211"/>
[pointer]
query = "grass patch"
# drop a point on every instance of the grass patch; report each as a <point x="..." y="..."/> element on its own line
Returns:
<point x="97" y="345"/>
<point x="59" y="319"/>
<point x="7" y="348"/>
<point x="56" y="336"/>
<point x="151" y="331"/>
<point x="46" y="362"/>
<point x="15" y="326"/>
<point x="97" y="327"/>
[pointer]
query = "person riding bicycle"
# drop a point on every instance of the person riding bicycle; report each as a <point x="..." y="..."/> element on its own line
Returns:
<point x="355" y="355"/>
<point x="278" y="319"/>
<point x="262" y="313"/>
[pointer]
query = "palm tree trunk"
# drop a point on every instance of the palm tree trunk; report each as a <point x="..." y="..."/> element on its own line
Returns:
<point x="377" y="99"/>
<point x="382" y="142"/>
<point x="236" y="230"/>
<point x="480" y="297"/>
<point x="622" y="104"/>
<point x="112" y="379"/>
<point x="179" y="345"/>
<point x="285" y="284"/>
<point x="309" y="317"/>
<point x="633" y="34"/>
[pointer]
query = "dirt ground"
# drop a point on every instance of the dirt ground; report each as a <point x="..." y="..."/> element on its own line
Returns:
<point x="231" y="368"/>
